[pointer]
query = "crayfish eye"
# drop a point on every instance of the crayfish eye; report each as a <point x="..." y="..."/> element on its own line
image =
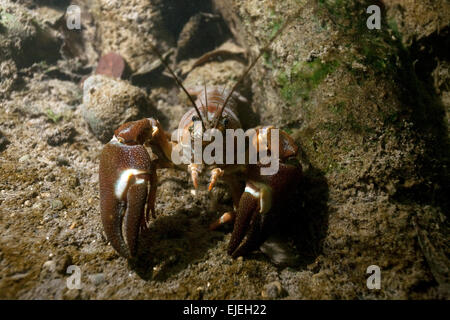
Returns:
<point x="226" y="122"/>
<point x="195" y="118"/>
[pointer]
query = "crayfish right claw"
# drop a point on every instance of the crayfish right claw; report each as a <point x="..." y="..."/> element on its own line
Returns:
<point x="124" y="178"/>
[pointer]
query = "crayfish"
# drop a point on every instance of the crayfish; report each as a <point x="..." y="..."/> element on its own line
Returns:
<point x="128" y="175"/>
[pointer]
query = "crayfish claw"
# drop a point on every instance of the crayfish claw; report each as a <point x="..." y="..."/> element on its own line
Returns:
<point x="260" y="207"/>
<point x="137" y="195"/>
<point x="227" y="217"/>
<point x="124" y="175"/>
<point x="248" y="233"/>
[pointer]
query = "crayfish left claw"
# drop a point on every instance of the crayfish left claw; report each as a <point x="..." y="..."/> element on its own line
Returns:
<point x="259" y="208"/>
<point x="124" y="177"/>
<point x="248" y="232"/>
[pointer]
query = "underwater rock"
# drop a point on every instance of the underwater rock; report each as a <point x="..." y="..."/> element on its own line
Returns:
<point x="202" y="33"/>
<point x="415" y="20"/>
<point x="107" y="103"/>
<point x="24" y="39"/>
<point x="111" y="65"/>
<point x="126" y="28"/>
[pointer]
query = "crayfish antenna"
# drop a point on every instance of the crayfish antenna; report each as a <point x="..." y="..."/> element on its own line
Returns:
<point x="156" y="51"/>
